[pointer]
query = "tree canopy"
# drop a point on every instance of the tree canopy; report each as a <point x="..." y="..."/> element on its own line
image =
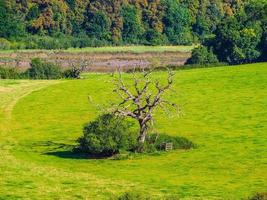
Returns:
<point x="127" y="21"/>
<point x="234" y="30"/>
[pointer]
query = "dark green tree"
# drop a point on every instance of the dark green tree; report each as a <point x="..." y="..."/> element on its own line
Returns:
<point x="202" y="56"/>
<point x="98" y="25"/>
<point x="201" y="27"/>
<point x="11" y="24"/>
<point x="257" y="11"/>
<point x="153" y="37"/>
<point x="33" y="13"/>
<point x="132" y="28"/>
<point x="236" y="40"/>
<point x="176" y="22"/>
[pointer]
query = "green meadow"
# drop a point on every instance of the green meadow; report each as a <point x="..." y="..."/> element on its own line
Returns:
<point x="224" y="112"/>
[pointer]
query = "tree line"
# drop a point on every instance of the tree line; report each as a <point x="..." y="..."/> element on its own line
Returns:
<point x="115" y="21"/>
<point x="234" y="30"/>
<point x="238" y="39"/>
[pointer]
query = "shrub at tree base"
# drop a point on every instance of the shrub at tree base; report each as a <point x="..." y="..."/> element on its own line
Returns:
<point x="106" y="136"/>
<point x="157" y="142"/>
<point x="177" y="142"/>
<point x="109" y="135"/>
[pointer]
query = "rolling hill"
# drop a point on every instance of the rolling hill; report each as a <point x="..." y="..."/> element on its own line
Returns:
<point x="224" y="113"/>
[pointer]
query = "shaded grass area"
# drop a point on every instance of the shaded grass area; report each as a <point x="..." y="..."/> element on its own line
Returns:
<point x="224" y="113"/>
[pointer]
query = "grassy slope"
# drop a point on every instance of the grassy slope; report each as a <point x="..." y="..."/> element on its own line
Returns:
<point x="131" y="49"/>
<point x="224" y="113"/>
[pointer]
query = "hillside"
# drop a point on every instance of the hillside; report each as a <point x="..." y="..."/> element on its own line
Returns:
<point x="224" y="113"/>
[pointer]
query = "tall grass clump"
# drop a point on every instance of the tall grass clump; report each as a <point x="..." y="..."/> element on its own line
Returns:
<point x="10" y="73"/>
<point x="43" y="70"/>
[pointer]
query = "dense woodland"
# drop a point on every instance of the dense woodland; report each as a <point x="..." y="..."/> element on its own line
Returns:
<point x="53" y="24"/>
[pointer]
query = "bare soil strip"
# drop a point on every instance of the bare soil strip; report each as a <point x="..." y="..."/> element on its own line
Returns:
<point x="97" y="62"/>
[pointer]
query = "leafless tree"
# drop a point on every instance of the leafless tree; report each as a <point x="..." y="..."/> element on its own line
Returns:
<point x="141" y="97"/>
<point x="77" y="67"/>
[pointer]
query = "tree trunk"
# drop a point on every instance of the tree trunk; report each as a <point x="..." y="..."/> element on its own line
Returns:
<point x="142" y="133"/>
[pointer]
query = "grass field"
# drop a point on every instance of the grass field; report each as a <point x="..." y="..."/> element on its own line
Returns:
<point x="114" y="49"/>
<point x="133" y="49"/>
<point x="224" y="113"/>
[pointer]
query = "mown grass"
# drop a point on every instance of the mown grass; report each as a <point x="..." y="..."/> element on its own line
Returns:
<point x="113" y="49"/>
<point x="224" y="113"/>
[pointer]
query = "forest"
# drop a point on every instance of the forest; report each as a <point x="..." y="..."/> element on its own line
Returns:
<point x="238" y="25"/>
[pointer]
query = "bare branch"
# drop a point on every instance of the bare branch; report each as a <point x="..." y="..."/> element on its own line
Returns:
<point x="141" y="103"/>
<point x="126" y="113"/>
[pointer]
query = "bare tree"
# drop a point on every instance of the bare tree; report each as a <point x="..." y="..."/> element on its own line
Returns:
<point x="141" y="98"/>
<point x="77" y="67"/>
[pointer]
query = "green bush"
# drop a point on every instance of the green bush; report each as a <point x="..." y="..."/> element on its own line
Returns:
<point x="106" y="136"/>
<point x="43" y="70"/>
<point x="47" y="42"/>
<point x="156" y="142"/>
<point x="17" y="45"/>
<point x="177" y="142"/>
<point x="72" y="73"/>
<point x="202" y="56"/>
<point x="110" y="135"/>
<point x="146" y="147"/>
<point x="4" y="44"/>
<point x="59" y="42"/>
<point x="9" y="73"/>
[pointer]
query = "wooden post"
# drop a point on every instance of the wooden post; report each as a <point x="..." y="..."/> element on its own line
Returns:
<point x="168" y="146"/>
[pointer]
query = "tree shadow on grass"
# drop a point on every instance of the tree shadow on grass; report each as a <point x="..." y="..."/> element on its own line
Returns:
<point x="66" y="154"/>
<point x="60" y="150"/>
<point x="69" y="154"/>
